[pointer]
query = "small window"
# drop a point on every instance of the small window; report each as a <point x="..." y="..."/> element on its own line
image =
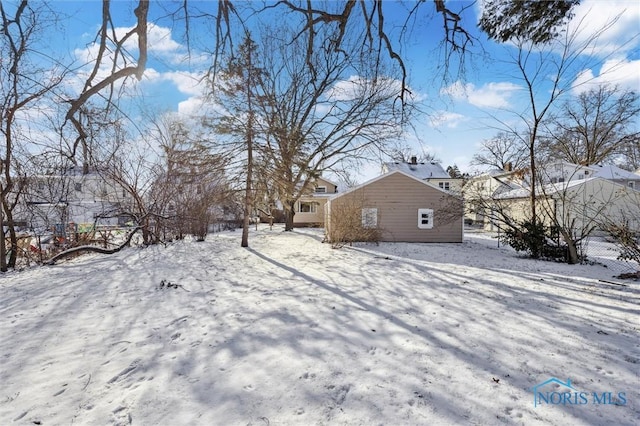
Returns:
<point x="444" y="185"/>
<point x="560" y="180"/>
<point x="369" y="218"/>
<point x="425" y="218"/>
<point x="586" y="172"/>
<point x="78" y="187"/>
<point x="631" y="185"/>
<point x="321" y="189"/>
<point x="307" y="207"/>
<point x="580" y="177"/>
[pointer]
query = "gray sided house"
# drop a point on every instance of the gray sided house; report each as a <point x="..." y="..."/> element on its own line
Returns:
<point x="402" y="207"/>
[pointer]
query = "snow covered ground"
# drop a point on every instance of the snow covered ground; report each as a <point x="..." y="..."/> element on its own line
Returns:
<point x="292" y="332"/>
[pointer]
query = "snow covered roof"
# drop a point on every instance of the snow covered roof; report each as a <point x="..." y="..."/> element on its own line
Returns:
<point x="430" y="170"/>
<point x="383" y="176"/>
<point x="549" y="189"/>
<point x="612" y="172"/>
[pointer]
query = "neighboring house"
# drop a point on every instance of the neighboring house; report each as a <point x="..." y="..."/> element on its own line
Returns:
<point x="487" y="186"/>
<point x="403" y="207"/>
<point x="562" y="171"/>
<point x="484" y="194"/>
<point x="309" y="209"/>
<point x="71" y="198"/>
<point x="431" y="172"/>
<point x="577" y="204"/>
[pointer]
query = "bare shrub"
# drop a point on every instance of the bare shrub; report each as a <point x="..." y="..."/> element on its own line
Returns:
<point x="348" y="224"/>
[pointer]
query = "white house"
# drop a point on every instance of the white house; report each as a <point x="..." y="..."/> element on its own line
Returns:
<point x="72" y="197"/>
<point x="309" y="209"/>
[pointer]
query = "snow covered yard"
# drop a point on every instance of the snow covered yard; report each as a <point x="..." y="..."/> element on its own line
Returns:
<point x="292" y="332"/>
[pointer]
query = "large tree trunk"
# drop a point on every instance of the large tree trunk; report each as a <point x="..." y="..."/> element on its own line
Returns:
<point x="13" y="238"/>
<point x="572" y="255"/>
<point x="289" y="212"/>
<point x="3" y="248"/>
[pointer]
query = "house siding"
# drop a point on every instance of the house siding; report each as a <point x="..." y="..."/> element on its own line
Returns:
<point x="314" y="219"/>
<point x="308" y="218"/>
<point x="398" y="198"/>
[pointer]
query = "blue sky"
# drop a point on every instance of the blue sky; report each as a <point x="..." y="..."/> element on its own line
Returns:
<point x="459" y="112"/>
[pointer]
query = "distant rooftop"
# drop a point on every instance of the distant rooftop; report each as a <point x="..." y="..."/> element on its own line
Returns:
<point x="613" y="172"/>
<point x="430" y="170"/>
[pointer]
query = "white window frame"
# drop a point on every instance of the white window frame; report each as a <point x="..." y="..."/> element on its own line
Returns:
<point x="425" y="215"/>
<point x="313" y="207"/>
<point x="444" y="185"/>
<point x="369" y="217"/>
<point x="321" y="189"/>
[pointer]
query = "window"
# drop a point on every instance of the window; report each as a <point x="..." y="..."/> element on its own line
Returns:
<point x="307" y="207"/>
<point x="369" y="218"/>
<point x="580" y="177"/>
<point x="630" y="184"/>
<point x="78" y="187"/>
<point x="444" y="185"/>
<point x="425" y="218"/>
<point x="321" y="189"/>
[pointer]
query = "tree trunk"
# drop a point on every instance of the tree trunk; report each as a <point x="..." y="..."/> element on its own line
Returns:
<point x="3" y="247"/>
<point x="13" y="238"/>
<point x="572" y="249"/>
<point x="289" y="212"/>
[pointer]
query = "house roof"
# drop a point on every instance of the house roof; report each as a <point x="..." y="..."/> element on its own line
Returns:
<point x="612" y="172"/>
<point x="430" y="170"/>
<point x="386" y="175"/>
<point x="549" y="189"/>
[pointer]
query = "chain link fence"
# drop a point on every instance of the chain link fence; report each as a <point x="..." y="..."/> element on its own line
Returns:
<point x="595" y="249"/>
<point x="602" y="251"/>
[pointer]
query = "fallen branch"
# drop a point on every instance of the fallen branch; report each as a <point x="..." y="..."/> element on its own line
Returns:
<point x="93" y="249"/>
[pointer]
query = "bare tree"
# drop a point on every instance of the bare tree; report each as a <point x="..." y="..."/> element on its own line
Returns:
<point x="314" y="118"/>
<point x="24" y="80"/>
<point x="594" y="127"/>
<point x="113" y="56"/>
<point x="505" y="151"/>
<point x="547" y="72"/>
<point x="629" y="157"/>
<point x="236" y="88"/>
<point x="405" y="155"/>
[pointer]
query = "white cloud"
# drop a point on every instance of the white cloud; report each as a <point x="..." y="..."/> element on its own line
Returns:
<point x="621" y="17"/>
<point x="622" y="73"/>
<point x="355" y="86"/>
<point x="493" y="95"/>
<point x="447" y="119"/>
<point x="189" y="83"/>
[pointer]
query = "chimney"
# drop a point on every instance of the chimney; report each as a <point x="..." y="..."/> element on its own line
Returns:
<point x="508" y="167"/>
<point x="414" y="160"/>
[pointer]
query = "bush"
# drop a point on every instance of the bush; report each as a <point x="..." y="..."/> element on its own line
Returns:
<point x="346" y="225"/>
<point x="528" y="237"/>
<point x="537" y="240"/>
